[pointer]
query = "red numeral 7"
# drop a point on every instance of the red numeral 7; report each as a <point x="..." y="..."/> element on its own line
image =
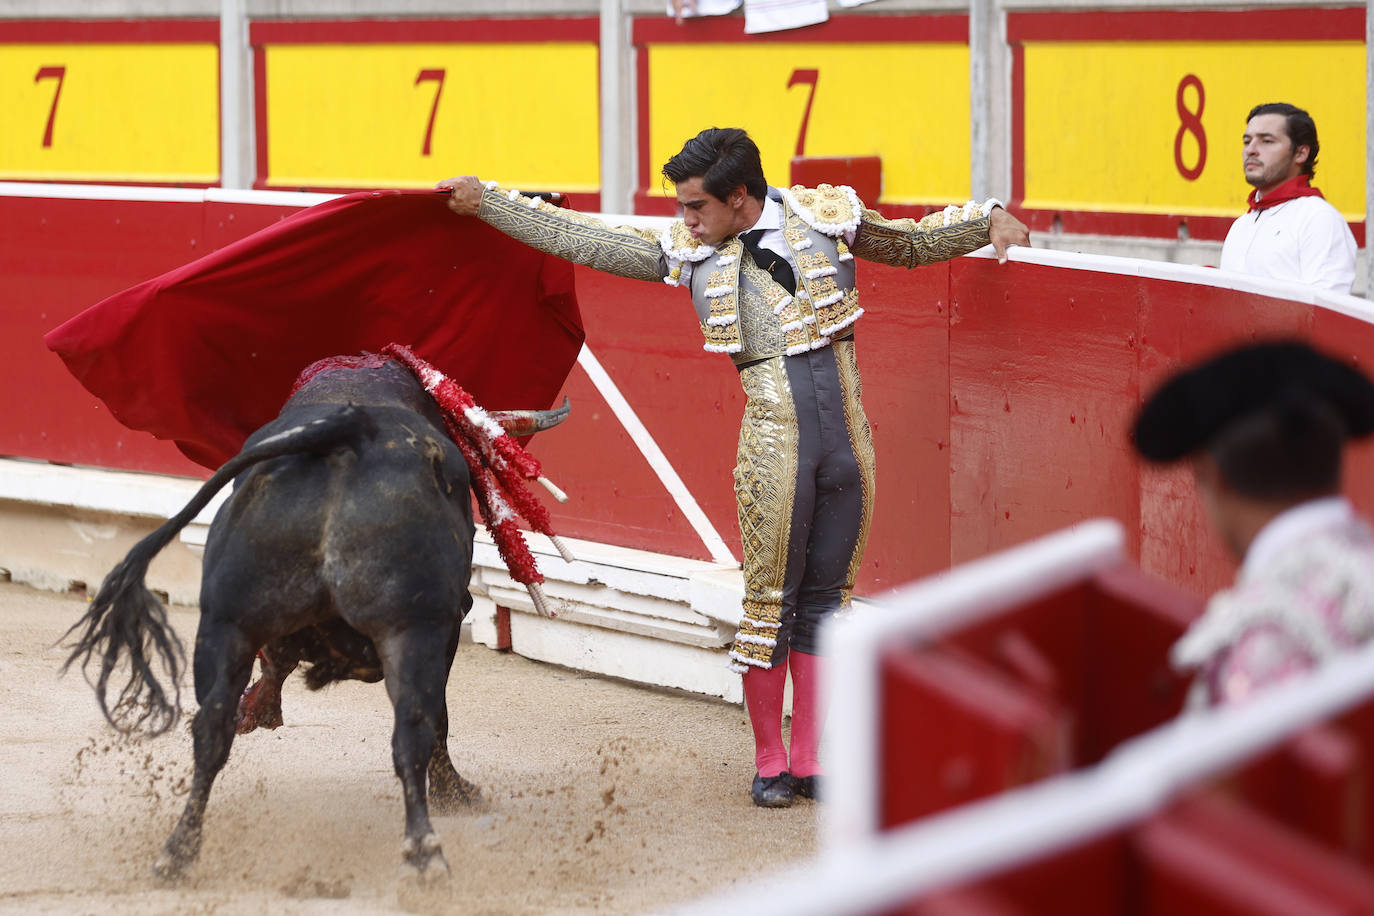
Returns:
<point x="436" y="76"/>
<point x="803" y="78"/>
<point x="59" y="74"/>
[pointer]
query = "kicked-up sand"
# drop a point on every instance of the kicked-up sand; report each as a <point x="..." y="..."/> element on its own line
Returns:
<point x="600" y="796"/>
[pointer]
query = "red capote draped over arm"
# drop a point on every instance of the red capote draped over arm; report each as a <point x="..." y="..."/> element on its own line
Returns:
<point x="206" y="354"/>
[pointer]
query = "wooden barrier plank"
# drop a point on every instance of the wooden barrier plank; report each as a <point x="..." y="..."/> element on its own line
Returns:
<point x="1181" y="324"/>
<point x="1043" y="385"/>
<point x="58" y="257"/>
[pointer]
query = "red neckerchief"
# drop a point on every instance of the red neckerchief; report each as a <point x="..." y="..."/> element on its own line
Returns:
<point x="1291" y="189"/>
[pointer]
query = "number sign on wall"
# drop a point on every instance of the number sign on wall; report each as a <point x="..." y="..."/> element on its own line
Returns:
<point x="109" y="110"/>
<point x="893" y="87"/>
<point x="1143" y="112"/>
<point x="354" y="106"/>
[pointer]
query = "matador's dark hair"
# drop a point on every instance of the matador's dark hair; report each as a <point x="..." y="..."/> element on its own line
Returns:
<point x="723" y="158"/>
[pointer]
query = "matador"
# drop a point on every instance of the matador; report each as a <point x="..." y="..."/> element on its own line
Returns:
<point x="771" y="272"/>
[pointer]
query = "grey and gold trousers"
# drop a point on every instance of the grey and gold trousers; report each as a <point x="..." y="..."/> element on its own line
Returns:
<point x="804" y="479"/>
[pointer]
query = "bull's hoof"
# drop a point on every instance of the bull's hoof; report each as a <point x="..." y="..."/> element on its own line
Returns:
<point x="169" y="869"/>
<point x="424" y="874"/>
<point x="180" y="850"/>
<point x="424" y="856"/>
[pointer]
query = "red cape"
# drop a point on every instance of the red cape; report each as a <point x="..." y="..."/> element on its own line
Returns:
<point x="205" y="354"/>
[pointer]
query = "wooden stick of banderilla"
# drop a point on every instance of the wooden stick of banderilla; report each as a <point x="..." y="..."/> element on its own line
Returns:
<point x="553" y="489"/>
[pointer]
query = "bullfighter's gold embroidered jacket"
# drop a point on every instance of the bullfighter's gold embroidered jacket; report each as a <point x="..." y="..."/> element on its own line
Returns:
<point x="743" y="312"/>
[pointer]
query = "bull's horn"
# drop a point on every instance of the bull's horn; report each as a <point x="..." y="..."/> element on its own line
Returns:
<point x="529" y="422"/>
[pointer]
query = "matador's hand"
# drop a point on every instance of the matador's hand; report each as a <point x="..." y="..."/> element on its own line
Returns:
<point x="466" y="196"/>
<point x="1004" y="231"/>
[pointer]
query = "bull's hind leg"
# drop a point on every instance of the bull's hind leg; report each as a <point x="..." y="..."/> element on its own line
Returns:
<point x="449" y="792"/>
<point x="223" y="664"/>
<point x="260" y="705"/>
<point x="416" y="669"/>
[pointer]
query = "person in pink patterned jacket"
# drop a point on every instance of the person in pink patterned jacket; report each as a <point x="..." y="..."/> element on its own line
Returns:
<point x="1264" y="427"/>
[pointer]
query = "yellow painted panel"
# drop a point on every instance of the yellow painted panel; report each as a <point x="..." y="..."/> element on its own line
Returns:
<point x="124" y="112"/>
<point x="905" y="102"/>
<point x="358" y="115"/>
<point x="1102" y="118"/>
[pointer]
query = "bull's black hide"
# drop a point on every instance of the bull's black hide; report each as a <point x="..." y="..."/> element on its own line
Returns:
<point x="346" y="544"/>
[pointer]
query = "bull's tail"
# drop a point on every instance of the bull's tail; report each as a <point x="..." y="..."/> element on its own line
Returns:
<point x="127" y="620"/>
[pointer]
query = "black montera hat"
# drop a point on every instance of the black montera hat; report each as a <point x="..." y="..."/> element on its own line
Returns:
<point x="1193" y="407"/>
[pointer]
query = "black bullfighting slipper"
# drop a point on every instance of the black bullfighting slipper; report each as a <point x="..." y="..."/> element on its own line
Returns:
<point x="772" y="791"/>
<point x="807" y="786"/>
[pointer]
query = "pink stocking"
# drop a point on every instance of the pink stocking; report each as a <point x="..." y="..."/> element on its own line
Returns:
<point x="763" y="696"/>
<point x="807" y="715"/>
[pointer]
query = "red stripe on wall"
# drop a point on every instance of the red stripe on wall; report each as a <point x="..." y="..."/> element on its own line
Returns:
<point x="1018" y="123"/>
<point x="647" y="204"/>
<point x="220" y="121"/>
<point x="260" y="116"/>
<point x="121" y="183"/>
<point x="373" y="31"/>
<point x="1343" y="24"/>
<point x="853" y="27"/>
<point x="1147" y="225"/>
<point x="132" y="31"/>
<point x="646" y="169"/>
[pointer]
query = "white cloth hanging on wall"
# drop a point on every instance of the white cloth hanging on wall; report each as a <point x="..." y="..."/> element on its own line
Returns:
<point x="775" y="15"/>
<point x="682" y="9"/>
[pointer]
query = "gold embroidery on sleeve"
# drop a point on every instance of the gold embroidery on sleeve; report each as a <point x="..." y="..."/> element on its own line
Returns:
<point x="620" y="250"/>
<point x="906" y="243"/>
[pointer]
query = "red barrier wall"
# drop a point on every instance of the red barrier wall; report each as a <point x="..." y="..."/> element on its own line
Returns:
<point x="56" y="258"/>
<point x="999" y="395"/>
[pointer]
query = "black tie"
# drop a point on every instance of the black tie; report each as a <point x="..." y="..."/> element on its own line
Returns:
<point x="770" y="261"/>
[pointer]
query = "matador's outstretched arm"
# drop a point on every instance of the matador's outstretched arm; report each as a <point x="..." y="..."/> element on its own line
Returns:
<point x="621" y="250"/>
<point x="940" y="236"/>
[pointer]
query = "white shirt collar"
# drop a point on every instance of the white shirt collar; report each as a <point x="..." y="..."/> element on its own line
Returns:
<point x="770" y="218"/>
<point x="1293" y="525"/>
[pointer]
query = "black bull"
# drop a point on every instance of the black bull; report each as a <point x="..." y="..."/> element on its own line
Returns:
<point x="347" y="544"/>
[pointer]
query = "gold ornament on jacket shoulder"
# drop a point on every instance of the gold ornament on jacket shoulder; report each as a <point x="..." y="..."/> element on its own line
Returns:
<point x="831" y="209"/>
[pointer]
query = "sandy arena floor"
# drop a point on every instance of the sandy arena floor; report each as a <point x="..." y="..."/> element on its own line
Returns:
<point x="601" y="797"/>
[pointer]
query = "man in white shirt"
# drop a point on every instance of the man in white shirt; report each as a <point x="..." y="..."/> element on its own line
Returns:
<point x="1265" y="427"/>
<point x="1290" y="231"/>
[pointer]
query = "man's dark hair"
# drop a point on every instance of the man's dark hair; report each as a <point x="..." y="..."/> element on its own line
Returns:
<point x="723" y="158"/>
<point x="1286" y="453"/>
<point x="1302" y="130"/>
